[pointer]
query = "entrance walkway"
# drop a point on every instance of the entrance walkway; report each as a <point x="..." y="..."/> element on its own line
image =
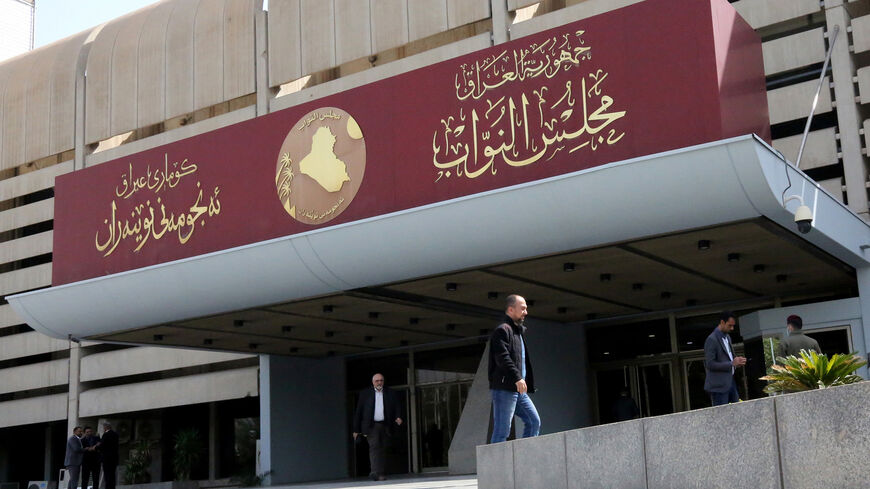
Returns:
<point x="396" y="482"/>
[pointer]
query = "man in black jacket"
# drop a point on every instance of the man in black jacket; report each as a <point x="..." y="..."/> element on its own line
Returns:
<point x="109" y="452"/>
<point x="91" y="460"/>
<point x="510" y="374"/>
<point x="377" y="412"/>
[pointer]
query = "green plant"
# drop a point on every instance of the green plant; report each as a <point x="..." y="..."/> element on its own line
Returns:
<point x="136" y="471"/>
<point x="813" y="370"/>
<point x="187" y="451"/>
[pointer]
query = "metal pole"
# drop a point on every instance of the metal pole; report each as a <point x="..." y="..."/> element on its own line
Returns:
<point x="816" y="98"/>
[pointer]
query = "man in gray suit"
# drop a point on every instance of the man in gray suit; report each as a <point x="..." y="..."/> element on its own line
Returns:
<point x="75" y="453"/>
<point x="720" y="362"/>
<point x="796" y="340"/>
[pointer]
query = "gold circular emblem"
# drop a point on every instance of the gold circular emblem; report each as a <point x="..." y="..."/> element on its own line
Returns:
<point x="321" y="165"/>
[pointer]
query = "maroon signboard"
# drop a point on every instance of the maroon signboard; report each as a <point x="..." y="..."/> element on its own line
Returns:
<point x="651" y="77"/>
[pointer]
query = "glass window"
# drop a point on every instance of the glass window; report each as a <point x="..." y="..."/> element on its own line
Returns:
<point x="623" y="341"/>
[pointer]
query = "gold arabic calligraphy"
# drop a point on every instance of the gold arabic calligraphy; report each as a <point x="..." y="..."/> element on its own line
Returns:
<point x="151" y="220"/>
<point x="534" y="126"/>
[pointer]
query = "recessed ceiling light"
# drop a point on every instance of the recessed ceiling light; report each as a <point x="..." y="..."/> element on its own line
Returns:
<point x="652" y="336"/>
<point x="604" y="277"/>
<point x="781" y="278"/>
<point x="207" y="341"/>
<point x="704" y="244"/>
<point x="568" y="267"/>
<point x="368" y="339"/>
<point x="403" y="343"/>
<point x="607" y="353"/>
<point x="450" y="326"/>
<point x="238" y="323"/>
<point x="329" y="334"/>
<point x="413" y="320"/>
<point x="294" y="349"/>
<point x="665" y="295"/>
<point x="492" y="295"/>
<point x="451" y="286"/>
<point x="689" y="342"/>
<point x="158" y="337"/>
<point x="286" y="329"/>
<point x="637" y="286"/>
<point x="253" y="346"/>
<point x="561" y="310"/>
<point x="373" y="315"/>
<point x="733" y="257"/>
<point x="327" y="308"/>
<point x="758" y="268"/>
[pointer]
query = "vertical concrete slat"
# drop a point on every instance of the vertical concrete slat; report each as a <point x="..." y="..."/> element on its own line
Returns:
<point x="426" y="17"/>
<point x="461" y="12"/>
<point x="15" y="112"/>
<point x="124" y="91"/>
<point x="5" y="70"/>
<point x="389" y="24"/>
<point x="284" y="41"/>
<point x="63" y="100"/>
<point x="318" y="35"/>
<point x="239" y="63"/>
<point x="37" y="126"/>
<point x="208" y="54"/>
<point x="98" y="84"/>
<point x="151" y="69"/>
<point x="353" y="30"/>
<point x="179" y="59"/>
<point x="848" y="118"/>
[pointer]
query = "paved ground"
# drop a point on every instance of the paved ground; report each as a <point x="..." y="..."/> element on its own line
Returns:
<point x="397" y="482"/>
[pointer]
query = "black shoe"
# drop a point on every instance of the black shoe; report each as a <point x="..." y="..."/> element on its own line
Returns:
<point x="373" y="476"/>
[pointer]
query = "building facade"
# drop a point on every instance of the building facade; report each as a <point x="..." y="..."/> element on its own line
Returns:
<point x="17" y="27"/>
<point x="179" y="70"/>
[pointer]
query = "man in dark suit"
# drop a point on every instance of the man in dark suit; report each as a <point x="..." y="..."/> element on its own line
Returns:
<point x="109" y="451"/>
<point x="720" y="362"/>
<point x="72" y="460"/>
<point x="377" y="412"/>
<point x="91" y="459"/>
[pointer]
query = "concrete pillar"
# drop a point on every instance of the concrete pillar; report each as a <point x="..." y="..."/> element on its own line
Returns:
<point x="72" y="413"/>
<point x="213" y="454"/>
<point x="265" y="445"/>
<point x="863" y="276"/>
<point x="261" y="58"/>
<point x="303" y="419"/>
<point x="849" y="120"/>
<point x="558" y="354"/>
<point x="501" y="21"/>
<point x="47" y="464"/>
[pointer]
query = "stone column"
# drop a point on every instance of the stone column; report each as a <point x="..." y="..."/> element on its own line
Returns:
<point x="72" y="413"/>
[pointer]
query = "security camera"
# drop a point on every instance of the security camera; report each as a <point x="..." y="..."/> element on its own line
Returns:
<point x="803" y="217"/>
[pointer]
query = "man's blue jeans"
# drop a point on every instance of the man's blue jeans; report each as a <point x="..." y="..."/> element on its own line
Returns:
<point x="727" y="397"/>
<point x="504" y="405"/>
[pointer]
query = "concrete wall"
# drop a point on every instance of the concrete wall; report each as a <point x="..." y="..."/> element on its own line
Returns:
<point x="303" y="418"/>
<point x="814" y="439"/>
<point x="558" y="353"/>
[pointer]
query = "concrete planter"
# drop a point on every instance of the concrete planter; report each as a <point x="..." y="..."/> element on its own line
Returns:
<point x="819" y="438"/>
<point x="163" y="485"/>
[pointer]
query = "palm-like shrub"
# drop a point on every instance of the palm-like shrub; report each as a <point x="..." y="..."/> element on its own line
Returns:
<point x="188" y="449"/>
<point x="811" y="370"/>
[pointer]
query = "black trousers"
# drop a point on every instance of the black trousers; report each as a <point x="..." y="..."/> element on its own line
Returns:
<point x="109" y="472"/>
<point x="379" y="440"/>
<point x="74" y="471"/>
<point x="87" y="471"/>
